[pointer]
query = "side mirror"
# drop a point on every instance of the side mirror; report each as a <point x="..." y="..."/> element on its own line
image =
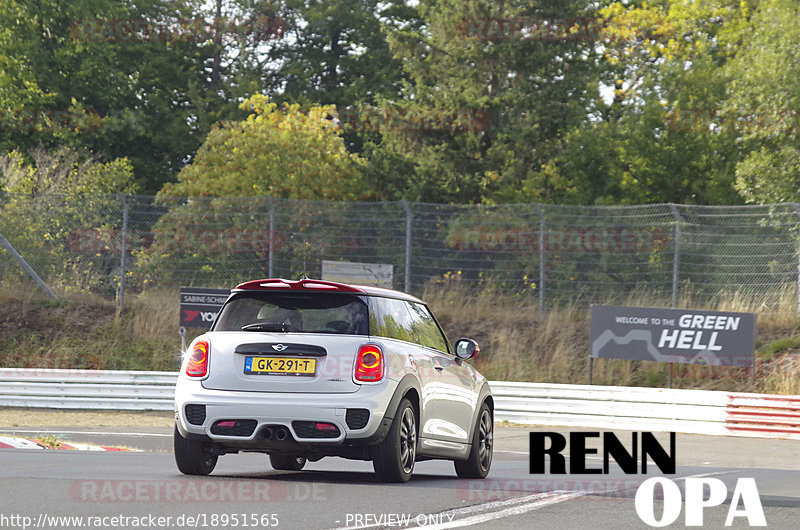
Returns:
<point x="467" y="348"/>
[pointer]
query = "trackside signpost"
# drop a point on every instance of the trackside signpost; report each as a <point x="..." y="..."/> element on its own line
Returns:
<point x="714" y="338"/>
<point x="199" y="308"/>
<point x="200" y="305"/>
<point x="377" y="274"/>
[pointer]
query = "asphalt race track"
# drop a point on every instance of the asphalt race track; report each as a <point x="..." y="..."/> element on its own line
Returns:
<point x="144" y="489"/>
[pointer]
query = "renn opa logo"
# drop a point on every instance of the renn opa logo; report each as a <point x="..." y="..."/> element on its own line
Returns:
<point x="745" y="492"/>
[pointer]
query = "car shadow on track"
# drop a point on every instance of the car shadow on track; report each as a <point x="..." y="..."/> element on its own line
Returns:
<point x="345" y="477"/>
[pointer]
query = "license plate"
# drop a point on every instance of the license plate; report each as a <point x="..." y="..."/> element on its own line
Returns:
<point x="279" y="366"/>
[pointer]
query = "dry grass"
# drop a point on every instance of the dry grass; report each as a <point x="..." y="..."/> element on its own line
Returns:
<point x="520" y="343"/>
<point x="43" y="418"/>
<point x="83" y="332"/>
<point x="154" y="314"/>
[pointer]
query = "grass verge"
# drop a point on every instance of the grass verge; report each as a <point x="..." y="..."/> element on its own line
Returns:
<point x="518" y="342"/>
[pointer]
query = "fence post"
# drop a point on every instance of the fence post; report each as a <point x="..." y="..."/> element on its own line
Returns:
<point x="270" y="266"/>
<point x="409" y="223"/>
<point x="27" y="268"/>
<point x="542" y="259"/>
<point x="677" y="254"/>
<point x="676" y="260"/>
<point x="796" y="208"/>
<point x="123" y="253"/>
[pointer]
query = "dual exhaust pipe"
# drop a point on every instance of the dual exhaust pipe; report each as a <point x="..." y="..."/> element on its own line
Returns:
<point x="276" y="433"/>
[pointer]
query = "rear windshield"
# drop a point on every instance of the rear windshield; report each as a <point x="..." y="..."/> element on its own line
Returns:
<point x="337" y="313"/>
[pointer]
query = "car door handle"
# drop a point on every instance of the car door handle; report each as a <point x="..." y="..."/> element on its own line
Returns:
<point x="438" y="367"/>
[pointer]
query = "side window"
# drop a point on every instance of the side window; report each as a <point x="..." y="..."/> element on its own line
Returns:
<point x="390" y="318"/>
<point x="425" y="329"/>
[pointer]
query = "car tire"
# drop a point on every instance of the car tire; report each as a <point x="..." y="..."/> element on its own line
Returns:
<point x="287" y="462"/>
<point x="479" y="460"/>
<point x="393" y="459"/>
<point x="193" y="457"/>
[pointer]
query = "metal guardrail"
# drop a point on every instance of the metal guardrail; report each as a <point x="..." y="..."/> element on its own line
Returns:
<point x="649" y="409"/>
<point x="87" y="389"/>
<point x="690" y="411"/>
<point x="604" y="407"/>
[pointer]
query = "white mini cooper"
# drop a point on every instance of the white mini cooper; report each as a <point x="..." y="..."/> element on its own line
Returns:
<point x="305" y="369"/>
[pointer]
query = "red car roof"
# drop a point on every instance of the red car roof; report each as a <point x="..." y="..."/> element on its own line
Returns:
<point x="321" y="285"/>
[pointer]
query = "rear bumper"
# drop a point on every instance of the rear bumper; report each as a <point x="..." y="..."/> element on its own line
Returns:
<point x="282" y="409"/>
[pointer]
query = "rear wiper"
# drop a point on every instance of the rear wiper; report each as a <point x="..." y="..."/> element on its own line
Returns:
<point x="266" y="326"/>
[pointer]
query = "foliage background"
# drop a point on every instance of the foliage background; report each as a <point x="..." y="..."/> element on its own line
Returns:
<point x="572" y="101"/>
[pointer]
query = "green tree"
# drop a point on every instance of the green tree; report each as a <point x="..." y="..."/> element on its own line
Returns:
<point x="281" y="152"/>
<point x="663" y="136"/>
<point x="335" y="53"/>
<point x="53" y="203"/>
<point x="138" y="66"/>
<point x="497" y="84"/>
<point x="63" y="171"/>
<point x="764" y="103"/>
<point x="224" y="230"/>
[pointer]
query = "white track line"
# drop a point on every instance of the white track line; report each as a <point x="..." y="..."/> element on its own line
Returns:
<point x="475" y="514"/>
<point x="528" y="504"/>
<point x="712" y="474"/>
<point x="94" y="433"/>
<point x="527" y="453"/>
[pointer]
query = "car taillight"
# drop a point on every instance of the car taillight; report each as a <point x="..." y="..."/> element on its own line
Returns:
<point x="369" y="364"/>
<point x="197" y="366"/>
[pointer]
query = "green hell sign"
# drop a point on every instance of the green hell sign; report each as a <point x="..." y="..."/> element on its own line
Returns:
<point x="715" y="338"/>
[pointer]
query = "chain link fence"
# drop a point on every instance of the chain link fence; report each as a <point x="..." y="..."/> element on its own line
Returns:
<point x="579" y="254"/>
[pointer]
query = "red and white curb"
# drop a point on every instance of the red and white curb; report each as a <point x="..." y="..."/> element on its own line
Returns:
<point x="14" y="442"/>
<point x="763" y="415"/>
